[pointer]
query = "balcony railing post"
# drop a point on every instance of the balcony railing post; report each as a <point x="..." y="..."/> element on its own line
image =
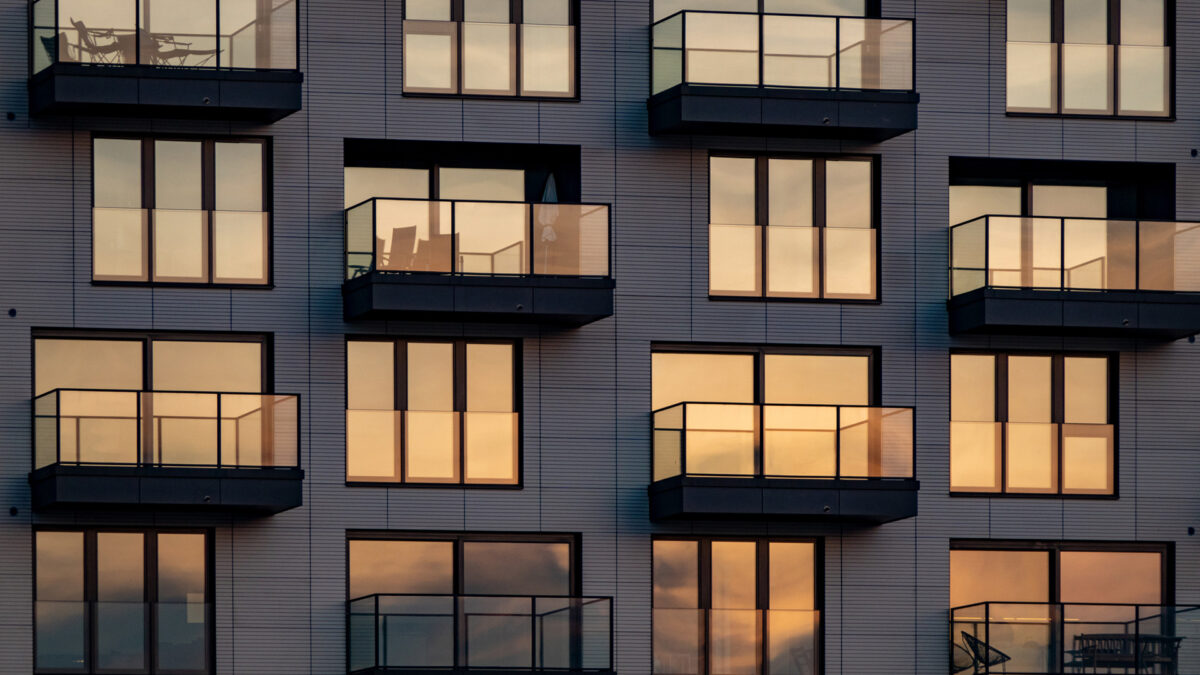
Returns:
<point x="837" y="442"/>
<point x="137" y="33"/>
<point x="375" y="235"/>
<point x="1137" y="254"/>
<point x="987" y="636"/>
<point x="837" y="52"/>
<point x="762" y="48"/>
<point x="454" y="238"/>
<point x="534" y="662"/>
<point x="531" y="258"/>
<point x="760" y="441"/>
<point x="683" y="436"/>
<point x="575" y="617"/>
<point x="987" y="251"/>
<point x="220" y="457"/>
<point x="58" y="422"/>
<point x="1062" y="253"/>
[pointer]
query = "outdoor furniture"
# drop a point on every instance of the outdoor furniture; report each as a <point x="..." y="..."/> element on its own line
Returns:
<point x="984" y="655"/>
<point x="1143" y="653"/>
<point x="399" y="258"/>
<point x="120" y="50"/>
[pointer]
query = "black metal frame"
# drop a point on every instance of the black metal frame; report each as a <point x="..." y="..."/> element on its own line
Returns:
<point x="530" y="256"/>
<point x="208" y="205"/>
<point x="138" y="42"/>
<point x="400" y="383"/>
<point x="762" y="594"/>
<point x="516" y="9"/>
<point x="149" y="589"/>
<point x="1057" y="38"/>
<point x="1057" y="406"/>
<point x="819" y="195"/>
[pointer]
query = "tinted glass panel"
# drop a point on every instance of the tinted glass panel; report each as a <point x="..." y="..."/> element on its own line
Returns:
<point x="848" y="201"/>
<point x="1086" y="390"/>
<point x="370" y="375"/>
<point x="207" y="366"/>
<point x="968" y="202"/>
<point x="676" y="574"/>
<point x="430" y="376"/>
<point x="1029" y="388"/>
<point x="823" y="380"/>
<point x="1028" y="21"/>
<point x="59" y="566"/>
<point x="117" y="177"/>
<point x="1112" y="577"/>
<point x="792" y="566"/>
<point x="363" y="183"/>
<point x="830" y="7"/>
<point x="1070" y="201"/>
<point x="505" y="185"/>
<point x="401" y="567"/>
<point x="789" y="191"/>
<point x="61" y="616"/>
<point x="547" y="12"/>
<point x="719" y="378"/>
<point x="528" y="568"/>
<point x="182" y="618"/>
<point x="120" y="592"/>
<point x="1085" y="21"/>
<point x="1142" y="22"/>
<point x="87" y="364"/>
<point x="178" y="179"/>
<point x="429" y="10"/>
<point x="972" y="387"/>
<point x="999" y="576"/>
<point x="491" y="11"/>
<point x="239" y="176"/>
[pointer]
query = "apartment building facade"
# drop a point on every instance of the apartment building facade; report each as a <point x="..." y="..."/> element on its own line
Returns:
<point x="688" y="337"/>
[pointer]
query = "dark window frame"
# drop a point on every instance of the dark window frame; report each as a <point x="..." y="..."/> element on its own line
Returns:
<point x="573" y="540"/>
<point x="147" y="338"/>
<point x="516" y="9"/>
<point x="208" y="199"/>
<point x="1055" y="548"/>
<point x="762" y="591"/>
<point x="1057" y="396"/>
<point x="1057" y="37"/>
<point x="149" y="590"/>
<point x="819" y="194"/>
<point x="400" y="400"/>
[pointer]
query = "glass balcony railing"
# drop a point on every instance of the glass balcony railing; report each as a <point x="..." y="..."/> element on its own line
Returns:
<point x="782" y="50"/>
<point x="455" y="633"/>
<point x="202" y="34"/>
<point x="1083" y="254"/>
<point x="122" y="636"/>
<point x="1060" y="638"/>
<point x="734" y="641"/>
<point x="166" y="429"/>
<point x="782" y="441"/>
<point x="477" y="238"/>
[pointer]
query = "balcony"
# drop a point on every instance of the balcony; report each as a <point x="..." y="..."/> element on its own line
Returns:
<point x="221" y="59"/>
<point x="782" y="74"/>
<point x="154" y="450"/>
<point x="1075" y="276"/>
<point x="123" y="636"/>
<point x="485" y="261"/>
<point x="1058" y="638"/>
<point x="851" y="464"/>
<point x="479" y="633"/>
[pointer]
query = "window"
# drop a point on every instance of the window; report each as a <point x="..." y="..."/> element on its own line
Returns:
<point x="181" y="211"/>
<point x="179" y="400"/>
<point x="123" y="601"/>
<point x="491" y="47"/>
<point x="793" y="227"/>
<point x="1048" y="600"/>
<point x="736" y="606"/>
<point x="1090" y="57"/>
<point x="433" y="412"/>
<point x="1029" y="423"/>
<point x="1035" y="199"/>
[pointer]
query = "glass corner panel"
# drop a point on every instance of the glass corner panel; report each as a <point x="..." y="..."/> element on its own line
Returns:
<point x="668" y="54"/>
<point x="875" y="54"/>
<point x="968" y="256"/>
<point x="1169" y="255"/>
<point x="570" y="239"/>
<point x="360" y="239"/>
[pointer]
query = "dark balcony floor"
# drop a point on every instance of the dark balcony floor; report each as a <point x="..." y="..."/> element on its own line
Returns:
<point x="249" y="490"/>
<point x="868" y="501"/>
<point x="1135" y="314"/>
<point x="568" y="301"/>
<point x="758" y="111"/>
<point x="149" y="91"/>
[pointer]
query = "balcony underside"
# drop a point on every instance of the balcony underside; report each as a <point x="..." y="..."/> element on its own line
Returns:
<point x="758" y="111"/>
<point x="568" y="301"/>
<point x="148" y="91"/>
<point x="821" y="500"/>
<point x="1134" y="314"/>
<point x="261" y="491"/>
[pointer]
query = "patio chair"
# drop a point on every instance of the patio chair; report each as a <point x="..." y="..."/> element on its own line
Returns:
<point x="120" y="50"/>
<point x="984" y="655"/>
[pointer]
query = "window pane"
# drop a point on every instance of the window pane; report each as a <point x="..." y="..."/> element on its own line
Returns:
<point x="1086" y="390"/>
<point x="721" y="49"/>
<point x="734" y="240"/>
<point x="789" y="189"/>
<point x="490" y="11"/>
<point x="968" y="202"/>
<point x="974" y="436"/>
<point x="547" y="59"/>
<point x="431" y="10"/>
<point x="182" y="602"/>
<point x="849" y="263"/>
<point x="830" y="7"/>
<point x="430" y="56"/>
<point x="1028" y="21"/>
<point x="489" y="58"/>
<point x="363" y="183"/>
<point x="119" y="244"/>
<point x="1070" y="201"/>
<point x="502" y="185"/>
<point x="117" y="175"/>
<point x="734" y="574"/>
<point x="516" y="568"/>
<point x="547" y="12"/>
<point x="120" y="594"/>
<point x="1085" y="21"/>
<point x="676" y="575"/>
<point x="431" y="376"/>
<point x="178" y="180"/>
<point x="1087" y="457"/>
<point x="821" y="380"/>
<point x="733" y="624"/>
<point x="1111" y="577"/>
<point x="1031" y="78"/>
<point x="179" y="33"/>
<point x="180" y="365"/>
<point x="1087" y="79"/>
<point x="1145" y="80"/>
<point x="792" y="573"/>
<point x="61" y="622"/>
<point x="1029" y="389"/>
<point x="665" y="8"/>
<point x="731" y="190"/>
<point x="792" y="266"/>
<point x="431" y="426"/>
<point x="1032" y="457"/>
<point x="81" y="20"/>
<point x="490" y="424"/>
<point x="999" y="576"/>
<point x="1142" y="23"/>
<point x="401" y="567"/>
<point x="87" y="364"/>
<point x="848" y="195"/>
<point x="239" y="176"/>
<point x="180" y="245"/>
<point x="718" y="378"/>
<point x="370" y="375"/>
<point x="240" y="247"/>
